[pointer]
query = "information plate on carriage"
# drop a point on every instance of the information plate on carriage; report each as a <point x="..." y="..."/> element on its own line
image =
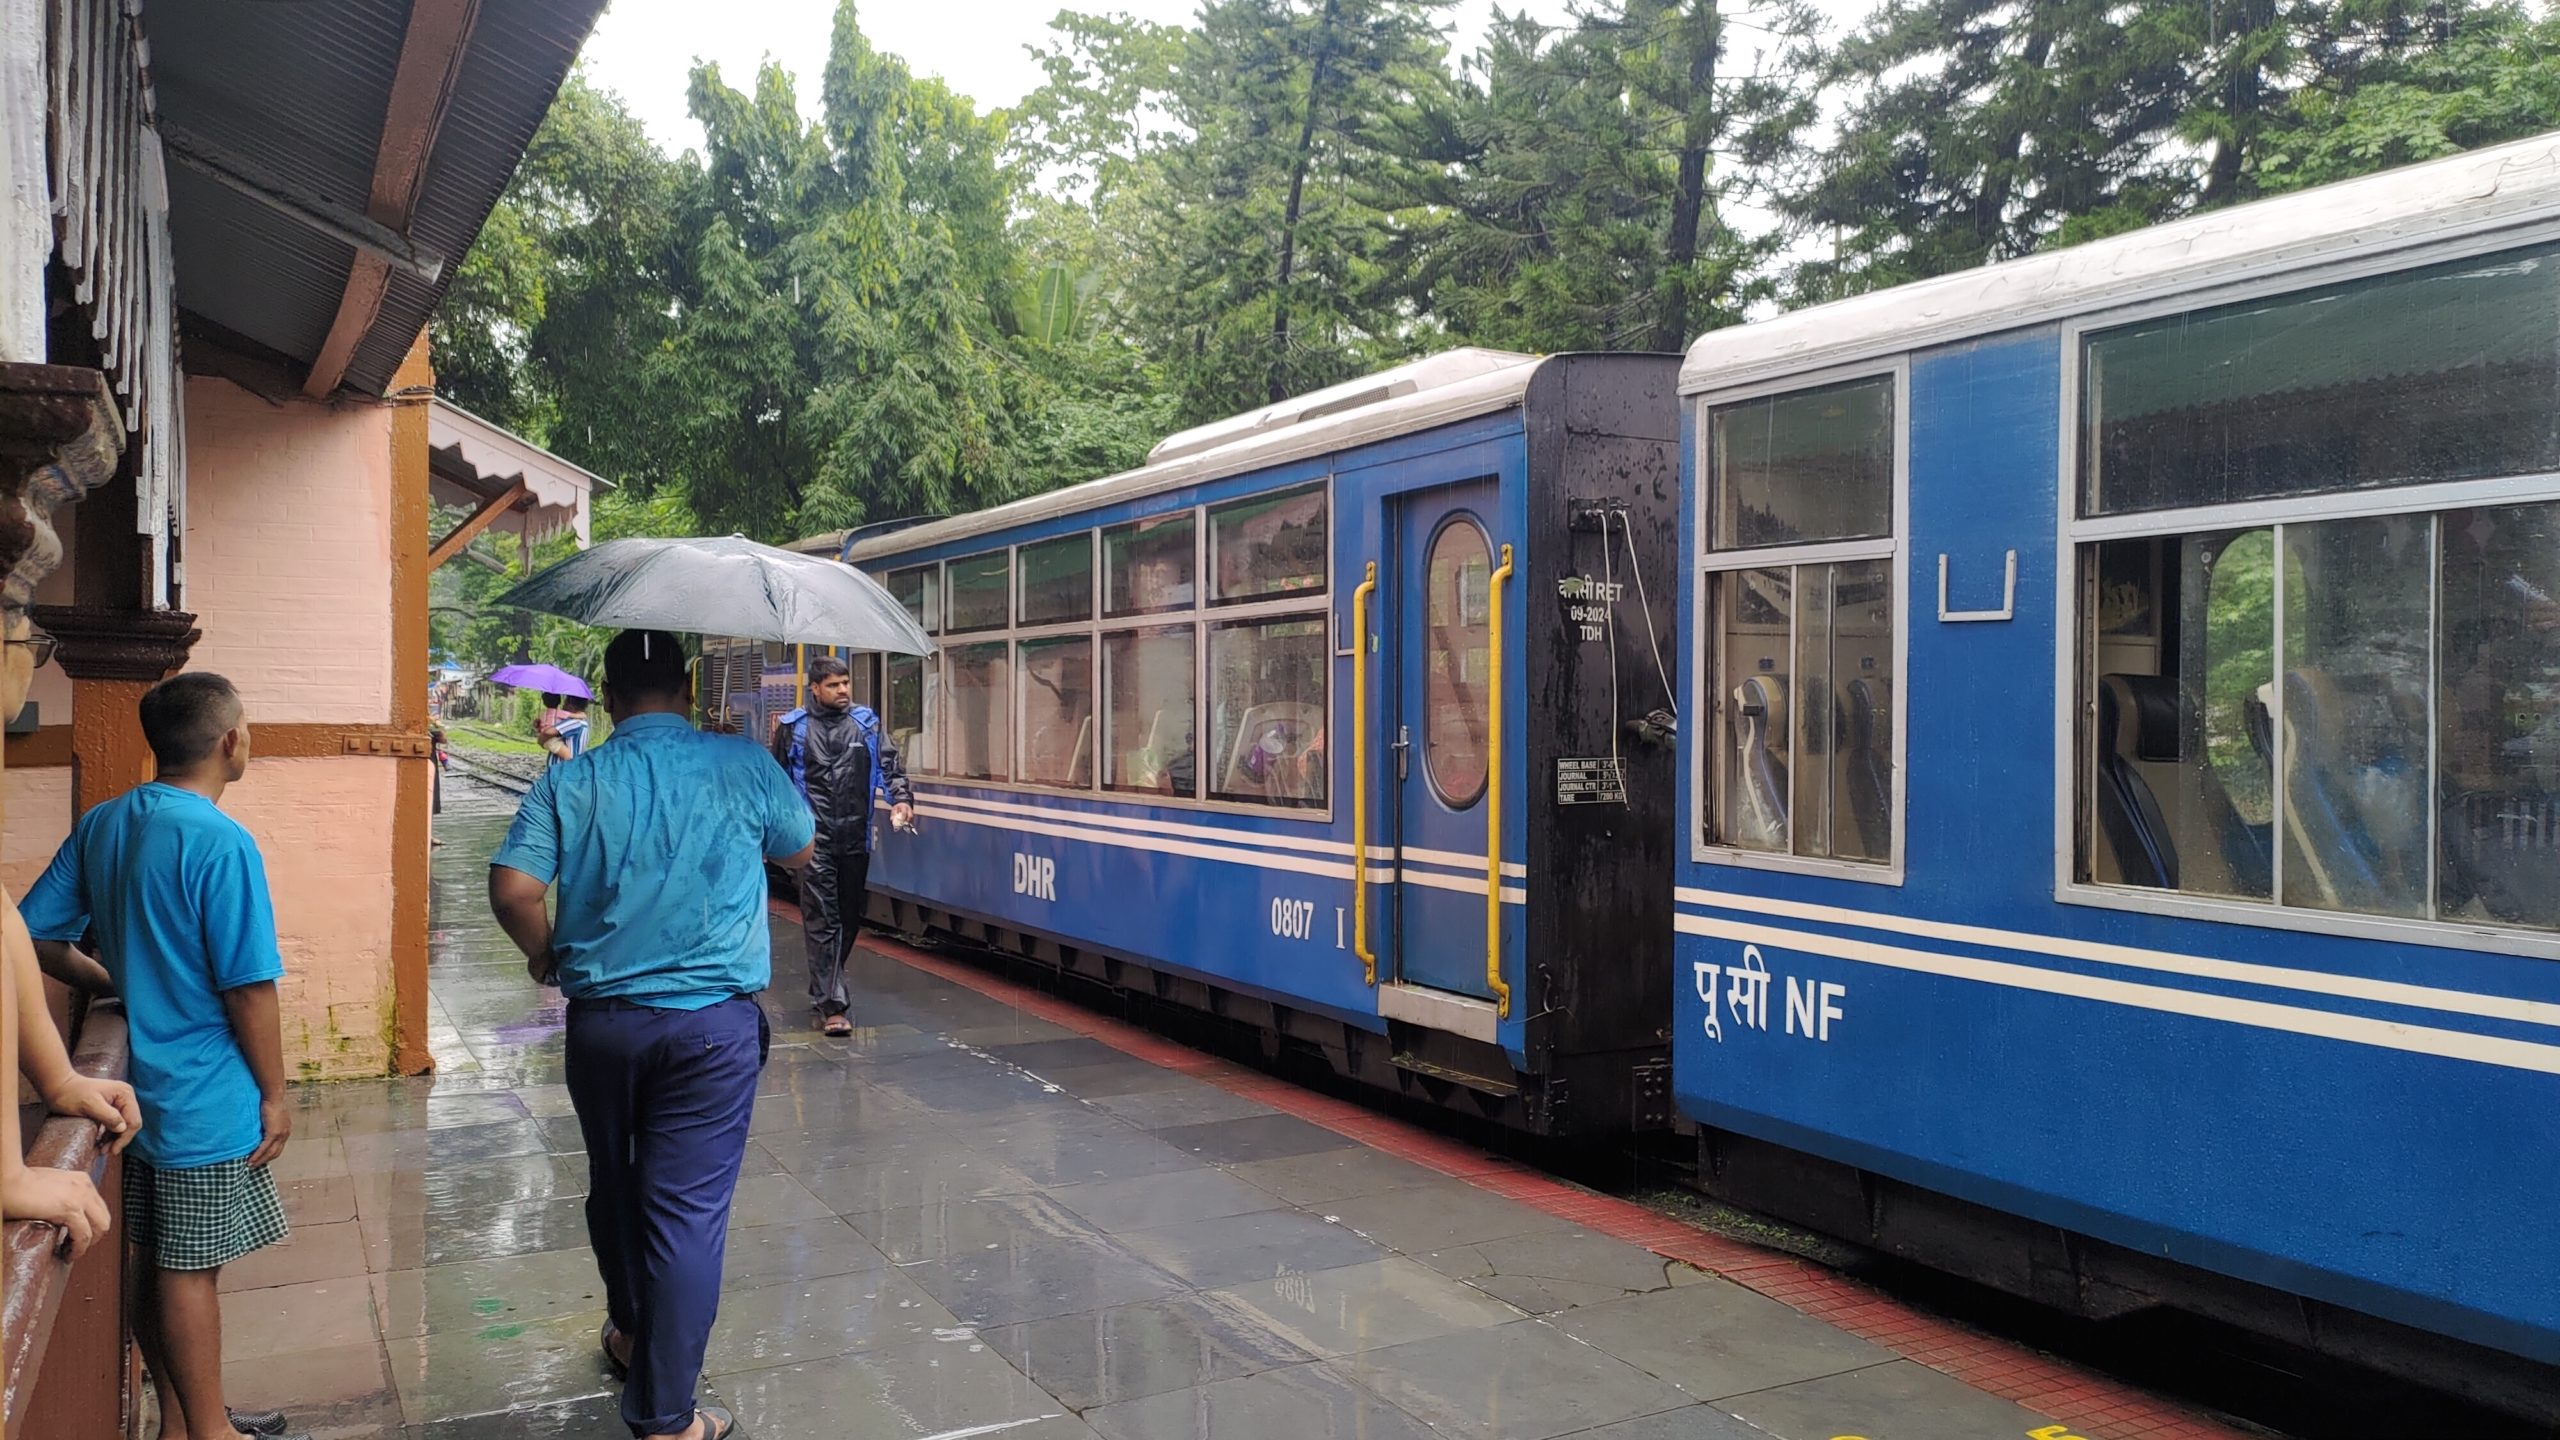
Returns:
<point x="1595" y="780"/>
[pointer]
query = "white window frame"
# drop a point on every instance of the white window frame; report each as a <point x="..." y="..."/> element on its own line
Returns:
<point x="1707" y="734"/>
<point x="2072" y="532"/>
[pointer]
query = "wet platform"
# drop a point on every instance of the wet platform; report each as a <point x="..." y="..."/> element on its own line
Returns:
<point x="990" y="1214"/>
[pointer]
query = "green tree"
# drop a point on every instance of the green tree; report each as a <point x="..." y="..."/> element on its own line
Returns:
<point x="2494" y="76"/>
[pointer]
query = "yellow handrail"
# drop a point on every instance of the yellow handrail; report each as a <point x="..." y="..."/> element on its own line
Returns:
<point x="1493" y="800"/>
<point x="1360" y="774"/>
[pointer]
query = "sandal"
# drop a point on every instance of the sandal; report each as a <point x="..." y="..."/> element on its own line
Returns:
<point x="838" y="1025"/>
<point x="717" y="1424"/>
<point x="613" y="1364"/>
<point x="257" y="1422"/>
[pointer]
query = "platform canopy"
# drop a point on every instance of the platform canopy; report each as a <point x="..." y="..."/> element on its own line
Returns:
<point x="507" y="482"/>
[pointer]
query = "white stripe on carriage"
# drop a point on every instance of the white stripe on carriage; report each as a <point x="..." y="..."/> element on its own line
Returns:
<point x="2258" y="1014"/>
<point x="1256" y="859"/>
<point x="1377" y="853"/>
<point x="2388" y="992"/>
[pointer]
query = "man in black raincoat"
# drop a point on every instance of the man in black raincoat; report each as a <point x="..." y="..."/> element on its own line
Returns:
<point x="839" y="756"/>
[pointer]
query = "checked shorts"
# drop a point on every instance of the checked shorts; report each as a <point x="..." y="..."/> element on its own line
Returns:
<point x="202" y="1217"/>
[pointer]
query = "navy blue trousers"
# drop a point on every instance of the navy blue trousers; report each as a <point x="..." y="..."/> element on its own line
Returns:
<point x="663" y="1097"/>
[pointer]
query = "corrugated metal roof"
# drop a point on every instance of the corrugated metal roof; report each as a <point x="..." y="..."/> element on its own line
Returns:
<point x="300" y="91"/>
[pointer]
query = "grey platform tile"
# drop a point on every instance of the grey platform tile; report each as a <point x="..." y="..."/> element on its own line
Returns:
<point x="1124" y="1076"/>
<point x="1691" y="1422"/>
<point x="1304" y="1402"/>
<point x="1129" y="1351"/>
<point x="958" y="1228"/>
<point x="1437" y="1215"/>
<point x="341" y="1391"/>
<point x="1189" y="1103"/>
<point x="1148" y="1201"/>
<point x="1719" y="1339"/>
<point x="933" y="1388"/>
<point x="1034" y="1282"/>
<point x="310" y="1252"/>
<point x="580" y="1419"/>
<point x="774" y="1200"/>
<point x="1045" y="1056"/>
<point x="1255" y="1137"/>
<point x="284" y="1319"/>
<point x="1364" y="1307"/>
<point x="1237" y="1249"/>
<point x="916" y="1178"/>
<point x="1325" y="1176"/>
<point x="444" y="1237"/>
<point x="831" y="1101"/>
<point x="1897" y="1399"/>
<point x="1558" y="1270"/>
<point x="802" y="1250"/>
<point x="1522" y="1381"/>
<point x="1072" y="1154"/>
<point x="480" y="1372"/>
<point x="479" y="1294"/>
<point x="833" y="1315"/>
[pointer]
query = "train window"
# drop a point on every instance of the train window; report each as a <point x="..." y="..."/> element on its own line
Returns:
<point x="2434" y="374"/>
<point x="1149" y="685"/>
<point x="977" y="687"/>
<point x="1458" y="663"/>
<point x="1804" y="467"/>
<point x="1056" y="675"/>
<point x="1267" y="711"/>
<point x="1802" y="653"/>
<point x="1147" y="566"/>
<point x="2346" y="714"/>
<point x="904" y="715"/>
<point x="920" y="590"/>
<point x="1057" y="580"/>
<point x="980" y="591"/>
<point x="1268" y="547"/>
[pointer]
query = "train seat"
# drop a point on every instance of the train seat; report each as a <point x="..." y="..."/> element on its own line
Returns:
<point x="1871" y="763"/>
<point x="1760" y="772"/>
<point x="2135" y="712"/>
<point x="2332" y="827"/>
<point x="1299" y="725"/>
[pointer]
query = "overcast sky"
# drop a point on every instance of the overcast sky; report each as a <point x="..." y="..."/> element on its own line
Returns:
<point x="643" y="49"/>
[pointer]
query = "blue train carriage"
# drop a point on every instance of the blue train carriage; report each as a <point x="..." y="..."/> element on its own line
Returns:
<point x="1176" y="710"/>
<point x="2120" y="822"/>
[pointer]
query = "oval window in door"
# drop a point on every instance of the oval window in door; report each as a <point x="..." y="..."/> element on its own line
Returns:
<point x="1458" y="659"/>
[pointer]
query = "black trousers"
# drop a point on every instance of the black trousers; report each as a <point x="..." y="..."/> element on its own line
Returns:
<point x="833" y="892"/>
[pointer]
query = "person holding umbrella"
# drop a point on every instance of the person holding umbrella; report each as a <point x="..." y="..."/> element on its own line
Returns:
<point x="657" y="845"/>
<point x="839" y="758"/>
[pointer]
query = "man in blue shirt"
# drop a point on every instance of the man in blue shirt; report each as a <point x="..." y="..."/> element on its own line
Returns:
<point x="656" y="842"/>
<point x="177" y="893"/>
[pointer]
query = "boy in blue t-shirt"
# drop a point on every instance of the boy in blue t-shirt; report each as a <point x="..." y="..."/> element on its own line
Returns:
<point x="177" y="893"/>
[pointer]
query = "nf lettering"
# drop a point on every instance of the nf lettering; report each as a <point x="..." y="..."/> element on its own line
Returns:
<point x="1035" y="876"/>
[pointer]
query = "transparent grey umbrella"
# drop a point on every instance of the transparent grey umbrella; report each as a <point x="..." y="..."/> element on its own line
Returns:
<point x="725" y="586"/>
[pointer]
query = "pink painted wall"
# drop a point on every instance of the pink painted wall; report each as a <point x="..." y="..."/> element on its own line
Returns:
<point x="38" y="806"/>
<point x="323" y="826"/>
<point x="288" y="552"/>
<point x="288" y="556"/>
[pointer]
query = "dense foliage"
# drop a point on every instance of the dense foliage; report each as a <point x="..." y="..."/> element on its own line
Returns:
<point x="912" y="307"/>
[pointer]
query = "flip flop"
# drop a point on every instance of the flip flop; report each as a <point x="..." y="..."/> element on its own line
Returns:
<point x="257" y="1422"/>
<point x="838" y="1025"/>
<point x="612" y="1363"/>
<point x="717" y="1424"/>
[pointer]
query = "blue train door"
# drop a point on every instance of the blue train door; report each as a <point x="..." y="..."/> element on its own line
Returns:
<point x="1437" y="733"/>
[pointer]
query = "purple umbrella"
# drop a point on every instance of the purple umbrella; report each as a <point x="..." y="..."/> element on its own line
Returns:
<point x="549" y="679"/>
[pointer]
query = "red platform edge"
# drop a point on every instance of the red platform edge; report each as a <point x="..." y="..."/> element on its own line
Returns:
<point x="2094" y="1406"/>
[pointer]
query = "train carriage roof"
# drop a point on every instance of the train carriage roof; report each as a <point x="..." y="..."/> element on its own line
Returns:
<point x="1456" y="384"/>
<point x="2481" y="190"/>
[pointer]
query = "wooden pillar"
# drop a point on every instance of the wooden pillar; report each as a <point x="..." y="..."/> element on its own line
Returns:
<point x="412" y="393"/>
<point x="112" y="657"/>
